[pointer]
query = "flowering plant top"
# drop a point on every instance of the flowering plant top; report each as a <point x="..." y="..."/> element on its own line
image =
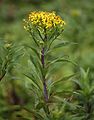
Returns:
<point x="45" y="20"/>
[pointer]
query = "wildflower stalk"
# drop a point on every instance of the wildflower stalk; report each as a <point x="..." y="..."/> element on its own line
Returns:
<point x="45" y="92"/>
<point x="44" y="79"/>
<point x="46" y="27"/>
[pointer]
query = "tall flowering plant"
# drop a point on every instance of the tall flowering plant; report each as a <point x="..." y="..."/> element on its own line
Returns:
<point x="45" y="28"/>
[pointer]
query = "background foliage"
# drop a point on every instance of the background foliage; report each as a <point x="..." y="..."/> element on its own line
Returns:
<point x="15" y="88"/>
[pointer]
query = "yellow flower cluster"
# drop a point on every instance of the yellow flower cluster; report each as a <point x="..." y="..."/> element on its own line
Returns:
<point x="45" y="19"/>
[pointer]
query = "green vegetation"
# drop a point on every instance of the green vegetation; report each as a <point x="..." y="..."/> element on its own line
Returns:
<point x="69" y="71"/>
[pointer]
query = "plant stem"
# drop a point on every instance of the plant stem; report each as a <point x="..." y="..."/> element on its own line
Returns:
<point x="1" y="77"/>
<point x="45" y="91"/>
<point x="46" y="108"/>
<point x="4" y="72"/>
<point x="44" y="80"/>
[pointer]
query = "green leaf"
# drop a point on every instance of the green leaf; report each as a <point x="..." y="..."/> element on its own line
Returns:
<point x="78" y="83"/>
<point x="36" y="70"/>
<point x="63" y="79"/>
<point x="36" y="114"/>
<point x="39" y="105"/>
<point x="61" y="60"/>
<point x="84" y="74"/>
<point x="54" y="36"/>
<point x="34" y="82"/>
<point x="37" y="66"/>
<point x="33" y="36"/>
<point x="33" y="60"/>
<point x="34" y="50"/>
<point x="64" y="43"/>
<point x="39" y="33"/>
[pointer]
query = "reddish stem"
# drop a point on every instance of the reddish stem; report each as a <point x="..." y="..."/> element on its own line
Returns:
<point x="44" y="80"/>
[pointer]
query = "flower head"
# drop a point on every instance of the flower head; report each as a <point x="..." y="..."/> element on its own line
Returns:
<point x="47" y="20"/>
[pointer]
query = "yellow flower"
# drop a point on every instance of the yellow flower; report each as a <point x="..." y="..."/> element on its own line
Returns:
<point x="43" y="20"/>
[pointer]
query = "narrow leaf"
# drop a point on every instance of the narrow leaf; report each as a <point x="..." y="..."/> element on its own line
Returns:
<point x="61" y="60"/>
<point x="63" y="79"/>
<point x="34" y="82"/>
<point x="34" y="50"/>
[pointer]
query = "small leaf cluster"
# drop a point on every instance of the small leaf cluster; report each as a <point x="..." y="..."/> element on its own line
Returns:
<point x="9" y="55"/>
